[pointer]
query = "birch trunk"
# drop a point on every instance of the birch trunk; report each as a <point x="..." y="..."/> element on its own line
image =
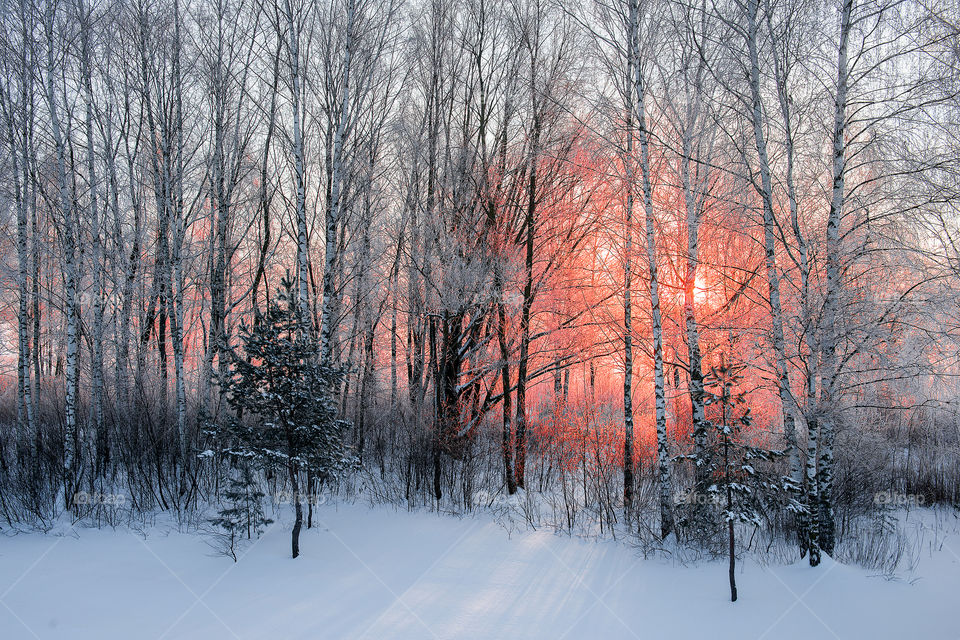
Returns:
<point x="831" y="332"/>
<point x="502" y="342"/>
<point x="694" y="364"/>
<point x="523" y="364"/>
<point x="219" y="210"/>
<point x="175" y="277"/>
<point x="121" y="262"/>
<point x="265" y="197"/>
<point x="25" y="420"/>
<point x="633" y="63"/>
<point x="334" y="206"/>
<point x="660" y="406"/>
<point x="303" y="249"/>
<point x="781" y="76"/>
<point x="71" y="458"/>
<point x="769" y="240"/>
<point x="97" y="266"/>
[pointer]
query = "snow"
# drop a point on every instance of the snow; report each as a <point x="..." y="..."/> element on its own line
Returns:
<point x="381" y="573"/>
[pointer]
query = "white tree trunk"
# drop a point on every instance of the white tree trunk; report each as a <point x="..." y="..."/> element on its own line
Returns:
<point x="303" y="249"/>
<point x="20" y="169"/>
<point x="334" y="206"/>
<point x="831" y="332"/>
<point x="797" y="474"/>
<point x="638" y="111"/>
<point x="97" y="264"/>
<point x="769" y="241"/>
<point x="71" y="461"/>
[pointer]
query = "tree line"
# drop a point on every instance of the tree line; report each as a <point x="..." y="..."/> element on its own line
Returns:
<point x="526" y="231"/>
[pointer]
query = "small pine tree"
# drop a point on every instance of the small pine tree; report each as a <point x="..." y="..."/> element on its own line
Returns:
<point x="283" y="401"/>
<point x="242" y="511"/>
<point x="743" y="488"/>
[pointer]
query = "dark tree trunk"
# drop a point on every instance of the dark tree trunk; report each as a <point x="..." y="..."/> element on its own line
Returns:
<point x="733" y="563"/>
<point x="298" y="509"/>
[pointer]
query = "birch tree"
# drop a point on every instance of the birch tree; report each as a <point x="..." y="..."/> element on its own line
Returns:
<point x="71" y="261"/>
<point x="16" y="107"/>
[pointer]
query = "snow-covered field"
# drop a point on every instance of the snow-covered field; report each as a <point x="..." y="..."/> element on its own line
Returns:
<point x="379" y="573"/>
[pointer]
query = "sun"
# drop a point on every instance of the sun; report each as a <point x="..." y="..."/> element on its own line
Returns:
<point x="701" y="292"/>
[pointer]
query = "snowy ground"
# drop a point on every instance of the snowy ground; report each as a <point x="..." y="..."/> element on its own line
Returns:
<point x="384" y="574"/>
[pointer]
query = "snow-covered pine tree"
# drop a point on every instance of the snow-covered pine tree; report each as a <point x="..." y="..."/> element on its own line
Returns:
<point x="743" y="487"/>
<point x="283" y="400"/>
<point x="242" y="511"/>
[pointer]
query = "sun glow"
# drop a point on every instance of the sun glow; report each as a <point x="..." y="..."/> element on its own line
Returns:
<point x="701" y="293"/>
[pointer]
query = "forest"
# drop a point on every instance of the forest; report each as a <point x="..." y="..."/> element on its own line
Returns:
<point x="684" y="272"/>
